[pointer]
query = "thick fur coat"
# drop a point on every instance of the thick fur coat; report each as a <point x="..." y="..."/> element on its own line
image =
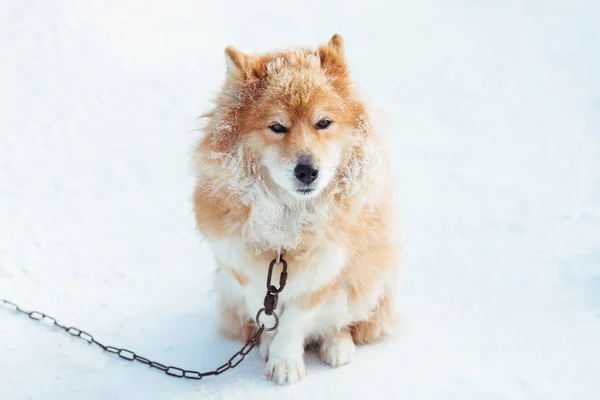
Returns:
<point x="291" y="161"/>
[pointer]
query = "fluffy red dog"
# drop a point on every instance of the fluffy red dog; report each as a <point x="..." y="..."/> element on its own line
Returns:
<point x="290" y="160"/>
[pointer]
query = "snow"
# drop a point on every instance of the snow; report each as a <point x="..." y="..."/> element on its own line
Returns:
<point x="495" y="107"/>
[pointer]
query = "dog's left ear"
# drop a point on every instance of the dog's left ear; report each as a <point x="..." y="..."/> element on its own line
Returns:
<point x="333" y="52"/>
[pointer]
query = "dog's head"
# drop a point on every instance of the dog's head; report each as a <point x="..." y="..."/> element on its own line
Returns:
<point x="296" y="108"/>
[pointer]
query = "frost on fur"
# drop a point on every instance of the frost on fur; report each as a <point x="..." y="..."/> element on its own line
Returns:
<point x="336" y="227"/>
<point x="231" y="165"/>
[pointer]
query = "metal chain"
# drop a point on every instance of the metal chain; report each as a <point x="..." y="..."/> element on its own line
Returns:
<point x="177" y="372"/>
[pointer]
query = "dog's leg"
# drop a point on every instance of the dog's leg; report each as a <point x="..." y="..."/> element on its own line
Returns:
<point x="380" y="325"/>
<point x="286" y="352"/>
<point x="233" y="326"/>
<point x="265" y="342"/>
<point x="338" y="348"/>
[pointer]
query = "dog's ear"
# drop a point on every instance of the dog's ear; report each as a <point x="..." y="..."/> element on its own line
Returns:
<point x="337" y="44"/>
<point x="332" y="53"/>
<point x="241" y="67"/>
<point x="236" y="63"/>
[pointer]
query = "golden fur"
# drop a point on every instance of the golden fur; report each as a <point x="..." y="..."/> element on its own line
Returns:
<point x="237" y="202"/>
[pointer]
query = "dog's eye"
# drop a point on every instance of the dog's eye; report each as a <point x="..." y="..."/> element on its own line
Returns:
<point x="278" y="128"/>
<point x="323" y="124"/>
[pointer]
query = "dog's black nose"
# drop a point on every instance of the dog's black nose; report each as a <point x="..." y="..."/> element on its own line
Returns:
<point x="306" y="173"/>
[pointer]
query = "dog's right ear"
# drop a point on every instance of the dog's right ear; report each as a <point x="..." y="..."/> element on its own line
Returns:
<point x="236" y="63"/>
<point x="337" y="44"/>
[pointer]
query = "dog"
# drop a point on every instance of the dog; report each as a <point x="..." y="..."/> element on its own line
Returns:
<point x="290" y="162"/>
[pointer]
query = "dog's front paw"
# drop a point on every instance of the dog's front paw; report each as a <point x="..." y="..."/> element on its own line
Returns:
<point x="285" y="371"/>
<point x="337" y="350"/>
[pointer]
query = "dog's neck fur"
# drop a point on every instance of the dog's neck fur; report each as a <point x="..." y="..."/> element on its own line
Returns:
<point x="281" y="221"/>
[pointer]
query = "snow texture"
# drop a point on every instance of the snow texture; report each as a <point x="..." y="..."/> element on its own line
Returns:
<point x="496" y="139"/>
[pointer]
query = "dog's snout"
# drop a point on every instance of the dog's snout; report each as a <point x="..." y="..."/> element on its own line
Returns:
<point x="306" y="173"/>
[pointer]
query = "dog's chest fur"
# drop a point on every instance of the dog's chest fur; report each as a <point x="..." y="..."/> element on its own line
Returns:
<point x="280" y="222"/>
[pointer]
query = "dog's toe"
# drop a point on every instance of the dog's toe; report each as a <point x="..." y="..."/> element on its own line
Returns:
<point x="285" y="372"/>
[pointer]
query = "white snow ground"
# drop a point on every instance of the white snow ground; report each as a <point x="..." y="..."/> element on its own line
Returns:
<point x="496" y="110"/>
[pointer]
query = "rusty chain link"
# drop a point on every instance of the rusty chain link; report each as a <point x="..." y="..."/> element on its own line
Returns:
<point x="177" y="372"/>
<point x="272" y="296"/>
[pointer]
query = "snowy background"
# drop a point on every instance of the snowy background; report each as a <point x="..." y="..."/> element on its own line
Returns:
<point x="496" y="114"/>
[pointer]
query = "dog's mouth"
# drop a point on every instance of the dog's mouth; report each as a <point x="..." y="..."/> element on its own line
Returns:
<point x="305" y="191"/>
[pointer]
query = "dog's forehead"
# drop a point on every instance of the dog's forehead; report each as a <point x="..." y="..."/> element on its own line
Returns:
<point x="296" y="59"/>
<point x="296" y="77"/>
